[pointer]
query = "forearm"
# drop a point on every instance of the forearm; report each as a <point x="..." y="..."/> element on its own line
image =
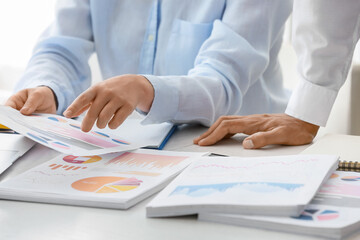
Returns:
<point x="55" y="72"/>
<point x="325" y="34"/>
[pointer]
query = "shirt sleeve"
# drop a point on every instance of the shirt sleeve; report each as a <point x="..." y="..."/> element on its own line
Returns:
<point x="228" y="63"/>
<point x="325" y="33"/>
<point x="60" y="58"/>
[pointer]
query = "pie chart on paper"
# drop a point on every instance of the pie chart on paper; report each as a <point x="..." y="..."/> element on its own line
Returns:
<point x="106" y="184"/>
<point x="318" y="215"/>
<point x="81" y="160"/>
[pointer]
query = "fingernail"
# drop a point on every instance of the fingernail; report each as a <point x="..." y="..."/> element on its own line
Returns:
<point x="67" y="113"/>
<point x="248" y="144"/>
<point x="24" y="110"/>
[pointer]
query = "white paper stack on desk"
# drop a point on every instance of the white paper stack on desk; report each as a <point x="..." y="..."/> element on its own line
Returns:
<point x="115" y="180"/>
<point x="318" y="220"/>
<point x="334" y="212"/>
<point x="271" y="186"/>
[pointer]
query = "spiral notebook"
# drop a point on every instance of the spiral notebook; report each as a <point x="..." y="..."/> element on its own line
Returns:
<point x="345" y="146"/>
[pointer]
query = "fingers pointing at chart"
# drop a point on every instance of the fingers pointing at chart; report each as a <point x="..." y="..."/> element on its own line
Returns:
<point x="111" y="101"/>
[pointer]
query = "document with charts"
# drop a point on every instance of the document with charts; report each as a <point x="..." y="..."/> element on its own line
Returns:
<point x="334" y="212"/>
<point x="275" y="186"/>
<point x="342" y="189"/>
<point x="115" y="180"/>
<point x="331" y="222"/>
<point x="64" y="134"/>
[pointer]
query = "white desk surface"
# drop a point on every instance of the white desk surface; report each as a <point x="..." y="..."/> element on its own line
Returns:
<point x="24" y="220"/>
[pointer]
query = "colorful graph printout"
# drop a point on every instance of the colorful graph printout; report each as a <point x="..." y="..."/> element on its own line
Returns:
<point x="146" y="160"/>
<point x="100" y="134"/>
<point x="38" y="137"/>
<point x="77" y="126"/>
<point x="106" y="184"/>
<point x="81" y="160"/>
<point x="140" y="173"/>
<point x="58" y="119"/>
<point x="120" y="141"/>
<point x="261" y="187"/>
<point x="65" y="135"/>
<point x="351" y="178"/>
<point x="65" y="167"/>
<point x="334" y="175"/>
<point x="318" y="215"/>
<point x="60" y="145"/>
<point x="345" y="184"/>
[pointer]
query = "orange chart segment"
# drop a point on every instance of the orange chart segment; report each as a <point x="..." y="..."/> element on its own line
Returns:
<point x="106" y="184"/>
<point x="146" y="160"/>
<point x="81" y="160"/>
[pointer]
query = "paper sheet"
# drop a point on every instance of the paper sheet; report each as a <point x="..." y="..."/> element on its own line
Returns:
<point x="63" y="134"/>
<point x="342" y="184"/>
<point x="266" y="181"/>
<point x="114" y="177"/>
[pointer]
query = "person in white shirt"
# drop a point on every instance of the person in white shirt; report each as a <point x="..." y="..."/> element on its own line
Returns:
<point x="325" y="33"/>
<point x="178" y="61"/>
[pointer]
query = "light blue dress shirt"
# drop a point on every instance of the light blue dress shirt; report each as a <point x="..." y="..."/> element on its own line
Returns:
<point x="204" y="58"/>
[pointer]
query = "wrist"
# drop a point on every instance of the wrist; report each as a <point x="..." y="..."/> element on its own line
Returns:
<point x="146" y="93"/>
<point x="53" y="94"/>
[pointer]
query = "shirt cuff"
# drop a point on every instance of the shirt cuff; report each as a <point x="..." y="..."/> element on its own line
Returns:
<point x="311" y="103"/>
<point x="60" y="97"/>
<point x="166" y="101"/>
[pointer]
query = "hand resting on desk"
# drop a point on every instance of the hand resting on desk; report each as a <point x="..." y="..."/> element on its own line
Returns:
<point x="264" y="129"/>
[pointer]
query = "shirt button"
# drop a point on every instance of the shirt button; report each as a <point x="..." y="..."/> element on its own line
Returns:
<point x="150" y="37"/>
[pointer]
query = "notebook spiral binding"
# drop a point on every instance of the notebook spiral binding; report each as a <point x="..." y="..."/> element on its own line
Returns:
<point x="349" y="166"/>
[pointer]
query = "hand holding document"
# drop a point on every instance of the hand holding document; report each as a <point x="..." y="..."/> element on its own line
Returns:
<point x="64" y="135"/>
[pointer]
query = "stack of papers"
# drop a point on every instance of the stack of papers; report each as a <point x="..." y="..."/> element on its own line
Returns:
<point x="334" y="212"/>
<point x="317" y="220"/>
<point x="115" y="180"/>
<point x="271" y="186"/>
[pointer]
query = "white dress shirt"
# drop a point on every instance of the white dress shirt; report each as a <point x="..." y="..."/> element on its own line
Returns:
<point x="204" y="58"/>
<point x="325" y="33"/>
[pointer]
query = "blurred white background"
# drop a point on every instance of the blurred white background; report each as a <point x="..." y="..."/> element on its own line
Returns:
<point x="22" y="22"/>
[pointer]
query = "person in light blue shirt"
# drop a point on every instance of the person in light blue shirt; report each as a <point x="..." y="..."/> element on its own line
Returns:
<point x="179" y="61"/>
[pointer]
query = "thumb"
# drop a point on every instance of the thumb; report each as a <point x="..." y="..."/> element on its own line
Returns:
<point x="31" y="104"/>
<point x="11" y="103"/>
<point x="261" y="139"/>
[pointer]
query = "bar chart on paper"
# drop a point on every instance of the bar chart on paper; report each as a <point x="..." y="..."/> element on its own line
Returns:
<point x="146" y="160"/>
<point x="65" y="167"/>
